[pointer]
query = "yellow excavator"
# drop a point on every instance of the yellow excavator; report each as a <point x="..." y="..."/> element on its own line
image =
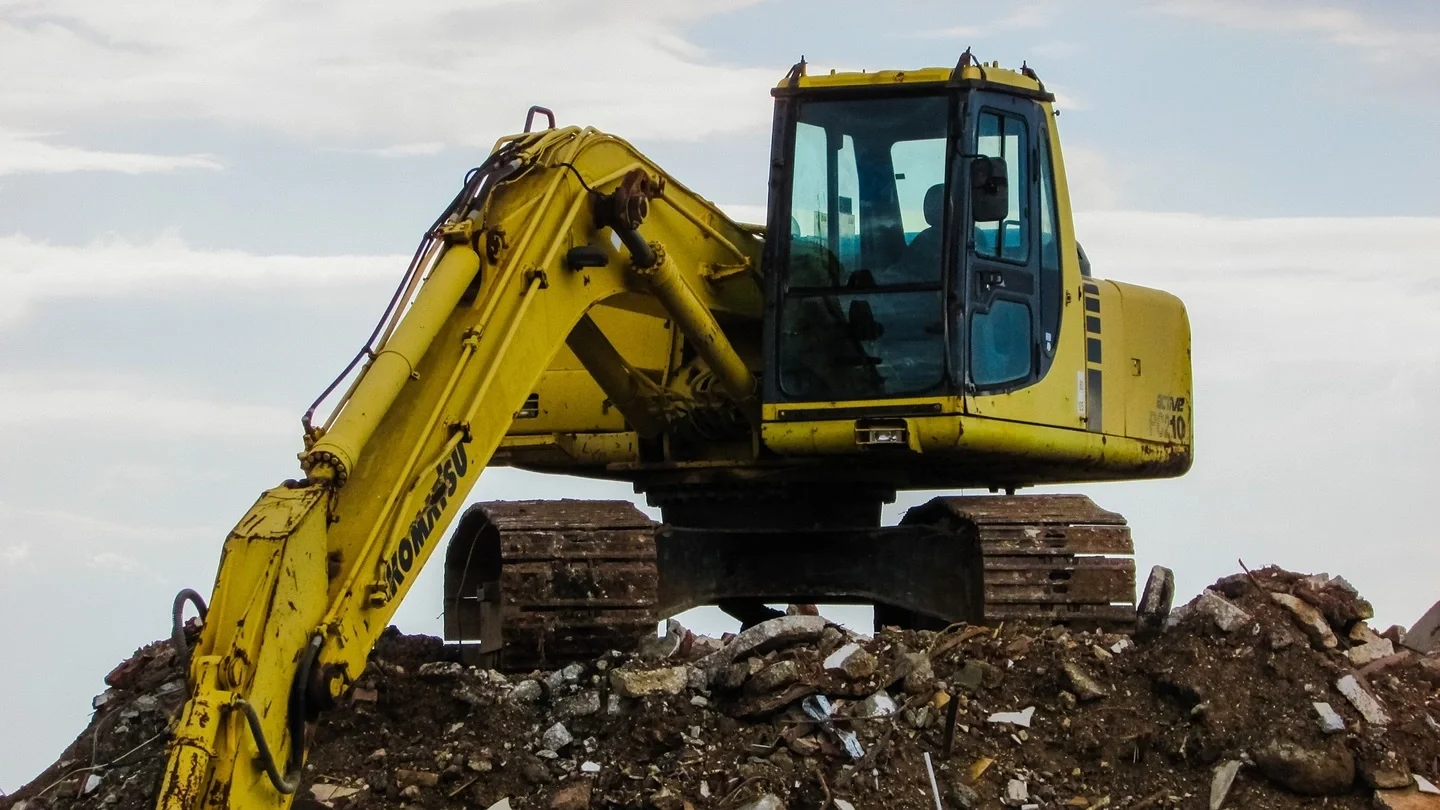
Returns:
<point x="915" y="313"/>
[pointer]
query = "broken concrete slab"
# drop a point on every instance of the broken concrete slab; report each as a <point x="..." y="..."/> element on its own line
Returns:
<point x="1424" y="635"/>
<point x="1363" y="702"/>
<point x="774" y="677"/>
<point x="1407" y="799"/>
<point x="1371" y="651"/>
<point x="767" y="635"/>
<point x="1330" y="720"/>
<point x="1225" y="614"/>
<point x="1309" y="619"/>
<point x="852" y="660"/>
<point x="636" y="683"/>
<point x="1082" y="683"/>
<point x="1222" y="781"/>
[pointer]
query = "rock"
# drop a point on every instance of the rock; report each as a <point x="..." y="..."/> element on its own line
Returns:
<point x="1370" y="651"/>
<point x="526" y="692"/>
<point x="1020" y="718"/>
<point x="421" y="778"/>
<point x="696" y="680"/>
<point x="437" y="670"/>
<point x="1221" y="782"/>
<point x="574" y="796"/>
<point x="91" y="784"/>
<point x="773" y="678"/>
<point x="767" y="635"/>
<point x="919" y="676"/>
<point x="1153" y="609"/>
<point x="1330" y="720"/>
<point x="583" y="704"/>
<point x="1408" y="799"/>
<point x="411" y="792"/>
<point x="879" y="704"/>
<point x="1325" y="771"/>
<point x="918" y="717"/>
<point x="970" y="676"/>
<point x="1017" y="791"/>
<point x="1084" y="686"/>
<point x="769" y="801"/>
<point x="853" y="660"/>
<point x="328" y="793"/>
<point x="841" y="804"/>
<point x="659" y="648"/>
<point x="534" y="771"/>
<point x="1335" y="598"/>
<point x="1368" y="706"/>
<point x="1425" y="785"/>
<point x="962" y="795"/>
<point x="1310" y="620"/>
<point x="556" y="737"/>
<point x="1220" y="610"/>
<point x="570" y="674"/>
<point x="503" y="804"/>
<point x="646" y="682"/>
<point x="1387" y="773"/>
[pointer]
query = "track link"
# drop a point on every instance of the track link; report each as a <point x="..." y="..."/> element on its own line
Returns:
<point x="576" y="578"/>
<point x="1044" y="555"/>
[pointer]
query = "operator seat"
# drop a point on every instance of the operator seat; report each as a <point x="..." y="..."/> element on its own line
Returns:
<point x="921" y="260"/>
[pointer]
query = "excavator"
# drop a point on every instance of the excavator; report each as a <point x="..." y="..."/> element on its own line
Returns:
<point x="915" y="313"/>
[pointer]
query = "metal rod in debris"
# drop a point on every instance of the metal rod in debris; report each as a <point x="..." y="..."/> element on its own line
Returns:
<point x="934" y="788"/>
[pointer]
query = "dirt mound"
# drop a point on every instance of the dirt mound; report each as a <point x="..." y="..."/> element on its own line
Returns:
<point x="1263" y="692"/>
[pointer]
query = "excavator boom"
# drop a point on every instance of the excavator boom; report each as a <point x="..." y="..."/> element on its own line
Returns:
<point x="314" y="571"/>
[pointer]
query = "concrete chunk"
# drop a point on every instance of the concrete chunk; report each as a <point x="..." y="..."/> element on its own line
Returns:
<point x="1311" y="620"/>
<point x="1370" y="651"/>
<point x="1368" y="706"/>
<point x="767" y="635"/>
<point x="1330" y="720"/>
<point x="1222" y="781"/>
<point x="645" y="682"/>
<point x="1222" y="611"/>
<point x="853" y="660"/>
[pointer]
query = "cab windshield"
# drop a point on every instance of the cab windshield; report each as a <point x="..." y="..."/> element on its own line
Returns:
<point x="863" y="314"/>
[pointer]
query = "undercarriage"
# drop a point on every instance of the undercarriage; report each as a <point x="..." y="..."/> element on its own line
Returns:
<point x="531" y="584"/>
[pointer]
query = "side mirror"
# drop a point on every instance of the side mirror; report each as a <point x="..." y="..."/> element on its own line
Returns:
<point x="989" y="189"/>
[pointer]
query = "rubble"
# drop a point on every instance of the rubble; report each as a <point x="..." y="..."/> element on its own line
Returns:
<point x="1310" y="620"/>
<point x="796" y="712"/>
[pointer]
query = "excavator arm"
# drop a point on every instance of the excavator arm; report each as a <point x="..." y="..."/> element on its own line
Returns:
<point x="547" y="228"/>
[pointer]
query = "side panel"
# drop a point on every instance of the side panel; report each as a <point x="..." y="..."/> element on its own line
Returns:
<point x="1156" y="354"/>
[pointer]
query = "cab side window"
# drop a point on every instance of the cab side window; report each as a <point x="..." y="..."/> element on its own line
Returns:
<point x="1006" y="137"/>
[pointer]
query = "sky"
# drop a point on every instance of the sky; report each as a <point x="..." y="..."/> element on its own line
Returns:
<point x="203" y="207"/>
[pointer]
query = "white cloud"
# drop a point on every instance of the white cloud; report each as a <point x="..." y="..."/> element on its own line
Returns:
<point x="1096" y="182"/>
<point x="1023" y="19"/>
<point x="372" y="74"/>
<point x="32" y="271"/>
<point x="67" y="402"/>
<point x="1342" y="25"/>
<point x="28" y="153"/>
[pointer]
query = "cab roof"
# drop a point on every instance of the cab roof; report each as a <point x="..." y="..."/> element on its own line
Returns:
<point x="989" y="75"/>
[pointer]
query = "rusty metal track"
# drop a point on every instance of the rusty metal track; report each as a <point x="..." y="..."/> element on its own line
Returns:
<point x="576" y="578"/>
<point x="1044" y="555"/>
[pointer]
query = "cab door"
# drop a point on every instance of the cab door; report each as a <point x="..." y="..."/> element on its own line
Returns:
<point x="1001" y="341"/>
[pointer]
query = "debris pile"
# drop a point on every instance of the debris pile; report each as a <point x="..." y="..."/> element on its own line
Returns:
<point x="1265" y="691"/>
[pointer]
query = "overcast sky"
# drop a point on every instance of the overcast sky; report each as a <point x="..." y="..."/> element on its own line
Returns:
<point x="203" y="206"/>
